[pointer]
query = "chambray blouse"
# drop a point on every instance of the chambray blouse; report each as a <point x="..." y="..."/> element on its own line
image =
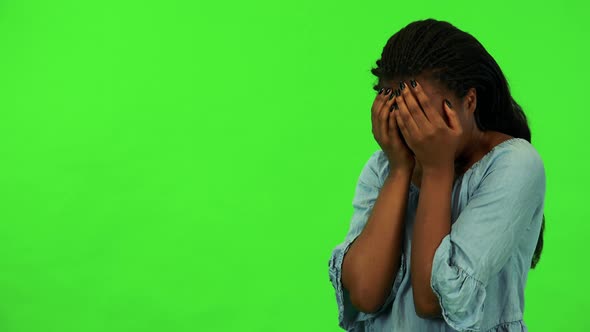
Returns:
<point x="480" y="269"/>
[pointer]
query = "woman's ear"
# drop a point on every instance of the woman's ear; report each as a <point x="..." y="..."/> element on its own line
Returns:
<point x="470" y="100"/>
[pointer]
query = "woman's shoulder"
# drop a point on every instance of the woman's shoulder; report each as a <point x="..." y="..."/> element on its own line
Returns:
<point x="514" y="154"/>
<point x="514" y="162"/>
<point x="516" y="149"/>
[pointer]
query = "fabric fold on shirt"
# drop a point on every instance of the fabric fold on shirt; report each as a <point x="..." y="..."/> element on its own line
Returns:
<point x="348" y="315"/>
<point x="461" y="296"/>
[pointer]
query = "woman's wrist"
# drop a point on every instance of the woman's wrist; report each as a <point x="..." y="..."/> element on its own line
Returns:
<point x="439" y="171"/>
<point x="400" y="172"/>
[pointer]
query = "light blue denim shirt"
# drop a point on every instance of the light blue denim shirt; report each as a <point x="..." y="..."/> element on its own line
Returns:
<point x="480" y="269"/>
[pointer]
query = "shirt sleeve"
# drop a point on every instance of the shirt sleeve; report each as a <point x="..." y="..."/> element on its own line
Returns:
<point x="367" y="190"/>
<point x="509" y="198"/>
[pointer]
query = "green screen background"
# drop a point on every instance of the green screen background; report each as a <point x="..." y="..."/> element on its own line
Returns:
<point x="189" y="166"/>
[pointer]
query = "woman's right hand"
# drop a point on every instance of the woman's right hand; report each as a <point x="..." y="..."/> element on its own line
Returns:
<point x="387" y="134"/>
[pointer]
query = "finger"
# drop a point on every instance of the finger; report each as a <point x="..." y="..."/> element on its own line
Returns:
<point x="384" y="95"/>
<point x="407" y="119"/>
<point x="392" y="121"/>
<point x="393" y="126"/>
<point x="386" y="103"/>
<point x="402" y="125"/>
<point x="378" y="105"/>
<point x="452" y="115"/>
<point x="431" y="114"/>
<point x="389" y="101"/>
<point x="379" y="99"/>
<point x="384" y="121"/>
<point x="414" y="107"/>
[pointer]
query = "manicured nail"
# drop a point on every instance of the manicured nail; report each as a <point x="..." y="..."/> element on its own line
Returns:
<point x="381" y="90"/>
<point x="398" y="92"/>
<point x="395" y="107"/>
<point x="391" y="96"/>
<point x="448" y="103"/>
<point x="402" y="85"/>
<point x="413" y="83"/>
<point x="387" y="91"/>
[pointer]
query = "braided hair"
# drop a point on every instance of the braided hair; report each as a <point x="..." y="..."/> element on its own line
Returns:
<point x="458" y="61"/>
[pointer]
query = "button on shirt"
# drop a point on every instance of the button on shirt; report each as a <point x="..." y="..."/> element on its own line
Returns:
<point x="480" y="268"/>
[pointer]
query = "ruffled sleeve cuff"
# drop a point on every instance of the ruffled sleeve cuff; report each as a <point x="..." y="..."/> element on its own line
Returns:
<point x="461" y="296"/>
<point x="348" y="315"/>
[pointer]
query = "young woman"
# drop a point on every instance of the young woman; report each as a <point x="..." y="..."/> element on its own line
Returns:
<point x="448" y="214"/>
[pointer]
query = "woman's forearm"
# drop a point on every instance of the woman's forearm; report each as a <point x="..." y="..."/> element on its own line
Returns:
<point x="374" y="258"/>
<point x="433" y="223"/>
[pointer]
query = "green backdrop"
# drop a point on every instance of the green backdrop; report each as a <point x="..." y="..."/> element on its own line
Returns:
<point x="189" y="166"/>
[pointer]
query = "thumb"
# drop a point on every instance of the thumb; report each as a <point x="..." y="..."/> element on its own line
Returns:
<point x="452" y="115"/>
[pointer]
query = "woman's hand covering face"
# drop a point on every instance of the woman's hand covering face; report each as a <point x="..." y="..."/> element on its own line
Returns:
<point x="433" y="141"/>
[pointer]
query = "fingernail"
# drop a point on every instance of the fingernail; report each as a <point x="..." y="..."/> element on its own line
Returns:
<point x="402" y="85"/>
<point x="391" y="96"/>
<point x="448" y="103"/>
<point x="381" y="90"/>
<point x="413" y="83"/>
<point x="395" y="107"/>
<point x="387" y="91"/>
<point x="398" y="92"/>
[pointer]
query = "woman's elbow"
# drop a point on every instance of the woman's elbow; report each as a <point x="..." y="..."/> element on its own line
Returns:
<point x="366" y="301"/>
<point x="427" y="310"/>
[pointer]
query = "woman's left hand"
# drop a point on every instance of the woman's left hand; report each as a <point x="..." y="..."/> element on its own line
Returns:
<point x="433" y="142"/>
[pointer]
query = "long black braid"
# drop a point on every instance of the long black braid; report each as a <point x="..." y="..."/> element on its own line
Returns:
<point x="457" y="60"/>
